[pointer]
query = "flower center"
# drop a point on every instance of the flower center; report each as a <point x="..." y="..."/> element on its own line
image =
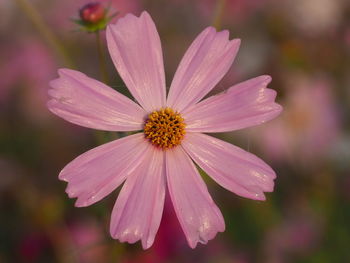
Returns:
<point x="165" y="128"/>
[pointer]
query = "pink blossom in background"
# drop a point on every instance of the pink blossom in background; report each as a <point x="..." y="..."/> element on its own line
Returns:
<point x="88" y="241"/>
<point x="298" y="234"/>
<point x="313" y="17"/>
<point x="309" y="124"/>
<point x="27" y="68"/>
<point x="161" y="156"/>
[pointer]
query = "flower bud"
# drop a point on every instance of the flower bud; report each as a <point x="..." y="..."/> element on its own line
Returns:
<point x="92" y="13"/>
<point x="94" y="17"/>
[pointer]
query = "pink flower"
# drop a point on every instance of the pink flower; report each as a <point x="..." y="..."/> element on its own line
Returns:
<point x="161" y="156"/>
<point x="88" y="241"/>
<point x="27" y="68"/>
<point x="306" y="126"/>
<point x="298" y="234"/>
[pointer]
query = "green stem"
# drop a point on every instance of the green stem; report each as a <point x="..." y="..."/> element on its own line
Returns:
<point x="45" y="31"/>
<point x="219" y="10"/>
<point x="102" y="136"/>
<point x="102" y="59"/>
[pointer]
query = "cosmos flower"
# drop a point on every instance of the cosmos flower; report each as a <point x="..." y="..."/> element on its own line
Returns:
<point x="310" y="127"/>
<point x="27" y="67"/>
<point x="314" y="17"/>
<point x="161" y="155"/>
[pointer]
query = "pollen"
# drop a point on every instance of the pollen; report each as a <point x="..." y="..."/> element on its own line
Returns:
<point x="165" y="128"/>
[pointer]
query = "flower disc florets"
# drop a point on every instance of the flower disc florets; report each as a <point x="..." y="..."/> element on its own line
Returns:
<point x="165" y="128"/>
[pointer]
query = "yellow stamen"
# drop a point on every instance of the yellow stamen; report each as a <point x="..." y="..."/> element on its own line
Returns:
<point x="165" y="128"/>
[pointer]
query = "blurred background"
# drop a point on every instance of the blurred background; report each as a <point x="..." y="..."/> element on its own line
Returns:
<point x="303" y="44"/>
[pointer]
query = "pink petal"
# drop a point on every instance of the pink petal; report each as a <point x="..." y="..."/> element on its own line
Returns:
<point x="199" y="217"/>
<point x="205" y="63"/>
<point x="136" y="51"/>
<point x="243" y="105"/>
<point x="233" y="168"/>
<point x="87" y="102"/>
<point x="139" y="207"/>
<point x="96" y="173"/>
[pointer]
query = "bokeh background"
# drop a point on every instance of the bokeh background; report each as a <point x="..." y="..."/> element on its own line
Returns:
<point x="303" y="44"/>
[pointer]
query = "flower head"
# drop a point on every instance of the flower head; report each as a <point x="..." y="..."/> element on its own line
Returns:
<point x="93" y="17"/>
<point x="161" y="155"/>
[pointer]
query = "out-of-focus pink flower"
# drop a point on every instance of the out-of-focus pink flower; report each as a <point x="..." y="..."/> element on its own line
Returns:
<point x="314" y="17"/>
<point x="298" y="234"/>
<point x="309" y="124"/>
<point x="87" y="240"/>
<point x="28" y="68"/>
<point x="173" y="128"/>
